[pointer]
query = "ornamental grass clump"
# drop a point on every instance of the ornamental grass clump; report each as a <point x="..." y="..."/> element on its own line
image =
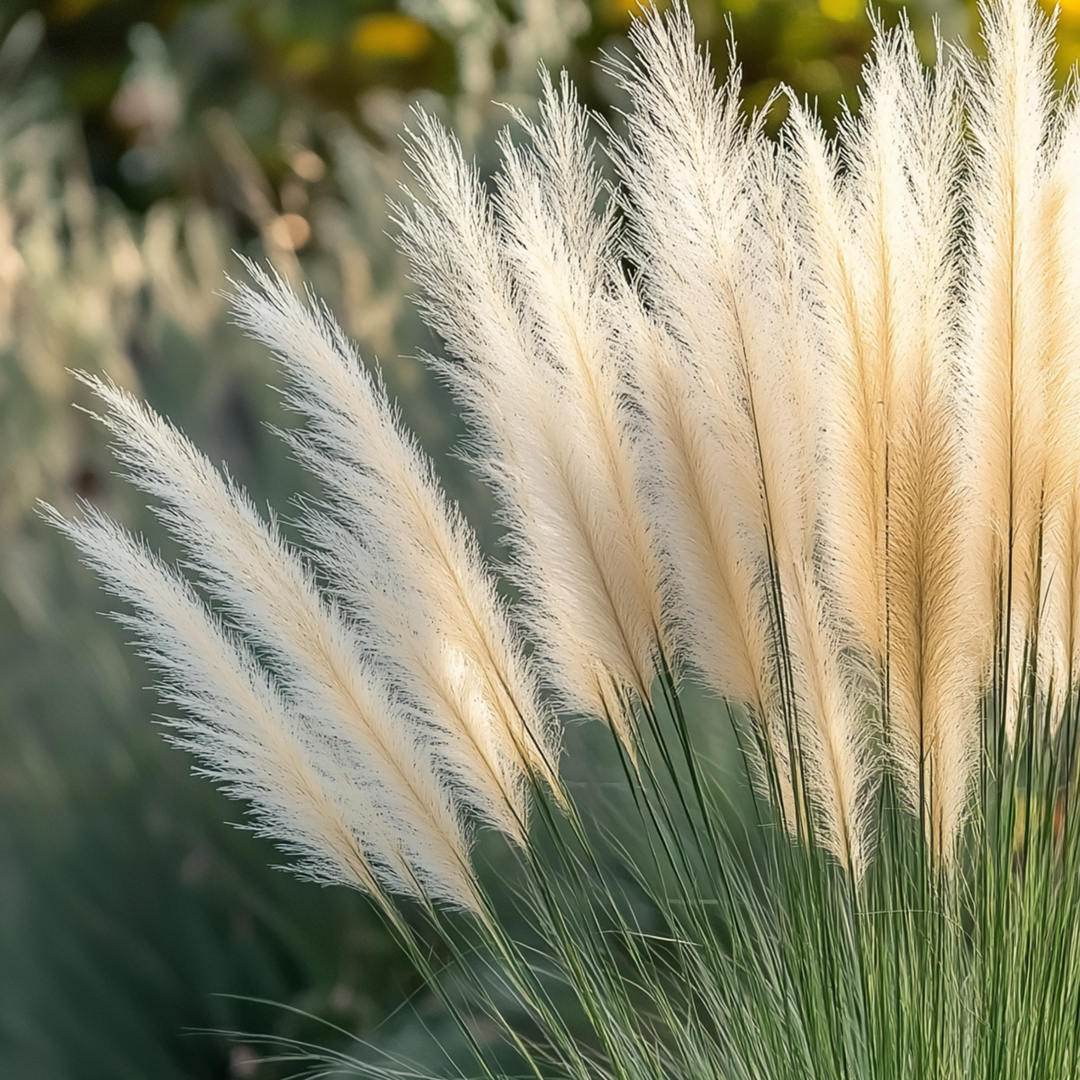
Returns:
<point x="794" y="421"/>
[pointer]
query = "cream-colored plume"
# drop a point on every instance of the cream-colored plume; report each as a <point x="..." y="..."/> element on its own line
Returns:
<point x="883" y="236"/>
<point x="1058" y="257"/>
<point x="517" y="286"/>
<point x="239" y="723"/>
<point x="725" y="369"/>
<point x="407" y="564"/>
<point x="312" y="650"/>
<point x="1015" y="333"/>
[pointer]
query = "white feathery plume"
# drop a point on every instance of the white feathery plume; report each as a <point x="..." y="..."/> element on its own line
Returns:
<point x="685" y="171"/>
<point x="519" y="299"/>
<point x="882" y="240"/>
<point x="856" y="439"/>
<point x="720" y="271"/>
<point x="406" y="563"/>
<point x="856" y="224"/>
<point x="932" y="570"/>
<point x="312" y="650"/>
<point x="796" y="402"/>
<point x="936" y="664"/>
<point x="698" y="465"/>
<point x="244" y="730"/>
<point x="1058" y="237"/>
<point x="716" y="616"/>
<point x="1011" y="97"/>
<point x="561" y="255"/>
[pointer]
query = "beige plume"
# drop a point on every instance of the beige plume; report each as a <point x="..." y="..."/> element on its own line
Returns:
<point x="245" y="731"/>
<point x="1011" y="99"/>
<point x="726" y="384"/>
<point x="313" y="651"/>
<point x="407" y="564"/>
<point x="520" y="292"/>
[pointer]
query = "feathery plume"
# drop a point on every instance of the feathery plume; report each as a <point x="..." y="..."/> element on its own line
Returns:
<point x="241" y="726"/>
<point x="517" y="288"/>
<point x="732" y="432"/>
<point x="1011" y="122"/>
<point x="932" y="566"/>
<point x="405" y="562"/>
<point x="313" y="651"/>
<point x="1057" y="235"/>
<point x="857" y="453"/>
<point x="883" y="243"/>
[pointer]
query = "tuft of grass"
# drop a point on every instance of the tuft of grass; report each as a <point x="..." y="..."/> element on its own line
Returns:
<point x="792" y="421"/>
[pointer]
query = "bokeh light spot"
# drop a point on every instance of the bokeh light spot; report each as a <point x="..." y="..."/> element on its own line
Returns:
<point x="290" y="231"/>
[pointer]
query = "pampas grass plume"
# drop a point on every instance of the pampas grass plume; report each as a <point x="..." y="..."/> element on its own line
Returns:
<point x="794" y="419"/>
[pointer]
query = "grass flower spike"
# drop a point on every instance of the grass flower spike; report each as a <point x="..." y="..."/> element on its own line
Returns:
<point x="784" y="435"/>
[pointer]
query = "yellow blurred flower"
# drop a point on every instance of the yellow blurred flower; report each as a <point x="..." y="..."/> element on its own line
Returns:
<point x="390" y="36"/>
<point x="841" y="10"/>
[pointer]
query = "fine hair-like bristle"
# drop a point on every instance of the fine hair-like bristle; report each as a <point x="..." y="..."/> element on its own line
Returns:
<point x="1008" y="321"/>
<point x="883" y="240"/>
<point x="1057" y="237"/>
<point x="725" y="387"/>
<point x="239" y="724"/>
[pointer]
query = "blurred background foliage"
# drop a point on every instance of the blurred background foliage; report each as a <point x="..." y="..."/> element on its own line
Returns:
<point x="142" y="143"/>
